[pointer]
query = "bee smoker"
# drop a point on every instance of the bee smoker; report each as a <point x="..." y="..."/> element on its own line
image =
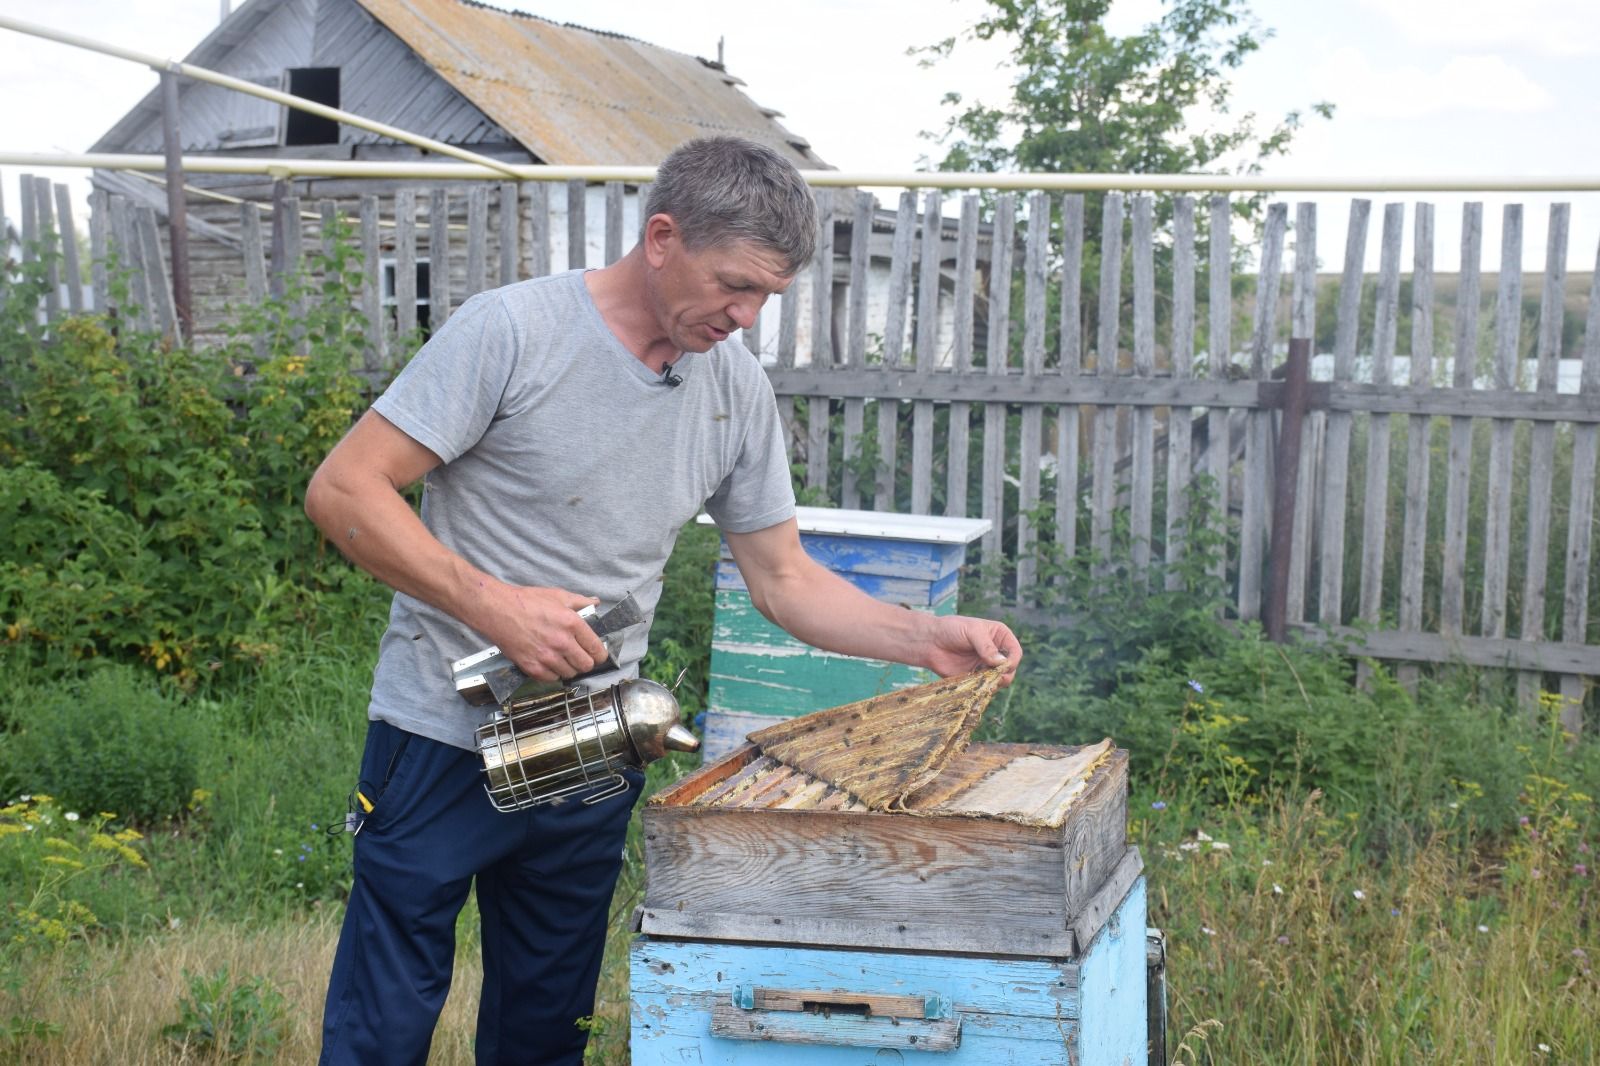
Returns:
<point x="547" y="743"/>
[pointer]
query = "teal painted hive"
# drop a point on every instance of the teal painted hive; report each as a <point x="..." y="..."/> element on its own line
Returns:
<point x="759" y="672"/>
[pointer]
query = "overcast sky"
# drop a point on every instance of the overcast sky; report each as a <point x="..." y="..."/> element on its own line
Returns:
<point x="1422" y="87"/>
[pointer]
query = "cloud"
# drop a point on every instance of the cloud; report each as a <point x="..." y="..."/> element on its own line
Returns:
<point x="1546" y="27"/>
<point x="1480" y="83"/>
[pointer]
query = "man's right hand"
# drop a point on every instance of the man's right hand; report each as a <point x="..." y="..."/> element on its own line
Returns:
<point x="539" y="629"/>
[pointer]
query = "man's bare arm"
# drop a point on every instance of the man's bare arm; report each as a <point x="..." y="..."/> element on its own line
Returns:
<point x="354" y="498"/>
<point x="819" y="607"/>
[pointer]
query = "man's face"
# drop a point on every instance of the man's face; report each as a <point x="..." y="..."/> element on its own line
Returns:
<point x="701" y="296"/>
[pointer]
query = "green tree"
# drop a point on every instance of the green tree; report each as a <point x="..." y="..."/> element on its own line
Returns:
<point x="1084" y="100"/>
<point x="1087" y="101"/>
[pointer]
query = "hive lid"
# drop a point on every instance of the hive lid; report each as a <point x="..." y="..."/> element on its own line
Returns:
<point x="885" y="749"/>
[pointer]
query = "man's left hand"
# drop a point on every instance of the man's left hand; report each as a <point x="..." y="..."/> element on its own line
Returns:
<point x="958" y="645"/>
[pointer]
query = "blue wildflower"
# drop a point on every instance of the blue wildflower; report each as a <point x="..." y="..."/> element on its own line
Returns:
<point x="1197" y="686"/>
<point x="1158" y="805"/>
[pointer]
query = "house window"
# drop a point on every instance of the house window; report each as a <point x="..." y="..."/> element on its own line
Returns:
<point x="320" y="84"/>
<point x="391" y="305"/>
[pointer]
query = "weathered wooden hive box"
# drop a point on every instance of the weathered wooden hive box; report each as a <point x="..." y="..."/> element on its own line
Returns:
<point x="999" y="920"/>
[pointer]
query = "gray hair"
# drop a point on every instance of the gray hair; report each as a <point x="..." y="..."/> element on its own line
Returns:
<point x="725" y="189"/>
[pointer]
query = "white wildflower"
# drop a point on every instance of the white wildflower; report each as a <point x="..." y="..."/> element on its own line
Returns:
<point x="1358" y="894"/>
<point x="72" y="816"/>
<point x="1277" y="889"/>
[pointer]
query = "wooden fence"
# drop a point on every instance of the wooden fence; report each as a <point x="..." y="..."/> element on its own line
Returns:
<point x="1082" y="444"/>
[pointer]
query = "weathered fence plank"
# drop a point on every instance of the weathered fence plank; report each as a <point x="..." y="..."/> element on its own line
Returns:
<point x="1144" y="366"/>
<point x="1507" y="340"/>
<point x="960" y="442"/>
<point x="155" y="268"/>
<point x="1071" y="366"/>
<point x="1541" y="461"/>
<point x="855" y="347"/>
<point x="477" y="239"/>
<point x="577" y="224"/>
<point x="614" y="230"/>
<point x="895" y="346"/>
<point x="1414" y="538"/>
<point x="1104" y="498"/>
<point x="1303" y="326"/>
<point x="1257" y="488"/>
<point x="99" y="243"/>
<point x="327" y="225"/>
<point x="405" y="267"/>
<point x="1375" y="505"/>
<point x="255" y="252"/>
<point x="130" y="262"/>
<point x="439" y="256"/>
<point x="536" y="194"/>
<point x="1179" y="419"/>
<point x="1453" y="566"/>
<point x="48" y="237"/>
<point x="894" y="340"/>
<point x="1580" y="515"/>
<point x="376" y="352"/>
<point x="1035" y="280"/>
<point x="788" y="335"/>
<point x="507" y="222"/>
<point x="293" y="260"/>
<point x="70" y="271"/>
<point x="996" y="364"/>
<point x="821" y="342"/>
<point x="1336" y="471"/>
<point x="1219" y="355"/>
<point x="30" y="219"/>
<point x="927" y="337"/>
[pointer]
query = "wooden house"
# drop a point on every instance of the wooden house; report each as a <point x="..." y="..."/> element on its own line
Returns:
<point x="507" y="85"/>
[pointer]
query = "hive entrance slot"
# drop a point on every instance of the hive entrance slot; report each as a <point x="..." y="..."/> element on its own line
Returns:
<point x="829" y="1007"/>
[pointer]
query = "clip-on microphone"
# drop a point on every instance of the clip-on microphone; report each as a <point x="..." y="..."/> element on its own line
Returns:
<point x="669" y="378"/>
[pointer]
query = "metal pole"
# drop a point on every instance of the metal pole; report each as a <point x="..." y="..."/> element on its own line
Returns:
<point x="633" y="175"/>
<point x="177" y="207"/>
<point x="1285" y="482"/>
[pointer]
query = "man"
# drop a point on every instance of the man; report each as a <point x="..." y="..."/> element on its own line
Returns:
<point x="566" y="429"/>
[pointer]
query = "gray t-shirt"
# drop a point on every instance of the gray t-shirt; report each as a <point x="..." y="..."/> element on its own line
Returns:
<point x="566" y="463"/>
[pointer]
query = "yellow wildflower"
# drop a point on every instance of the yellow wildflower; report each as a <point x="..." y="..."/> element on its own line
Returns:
<point x="62" y="860"/>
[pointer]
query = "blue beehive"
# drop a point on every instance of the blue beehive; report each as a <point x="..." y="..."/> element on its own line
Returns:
<point x="778" y="1005"/>
<point x="1001" y="920"/>
<point x="760" y="673"/>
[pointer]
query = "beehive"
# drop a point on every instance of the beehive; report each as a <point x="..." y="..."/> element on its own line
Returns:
<point x="759" y="672"/>
<point x="998" y="919"/>
<point x="748" y="849"/>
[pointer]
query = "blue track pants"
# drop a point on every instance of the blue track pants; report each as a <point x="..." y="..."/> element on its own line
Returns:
<point x="544" y="883"/>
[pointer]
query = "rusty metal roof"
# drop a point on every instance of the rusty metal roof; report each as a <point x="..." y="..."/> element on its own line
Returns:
<point x="576" y="96"/>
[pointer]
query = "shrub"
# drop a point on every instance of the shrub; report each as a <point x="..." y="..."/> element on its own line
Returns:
<point x="150" y="497"/>
<point x="111" y="740"/>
